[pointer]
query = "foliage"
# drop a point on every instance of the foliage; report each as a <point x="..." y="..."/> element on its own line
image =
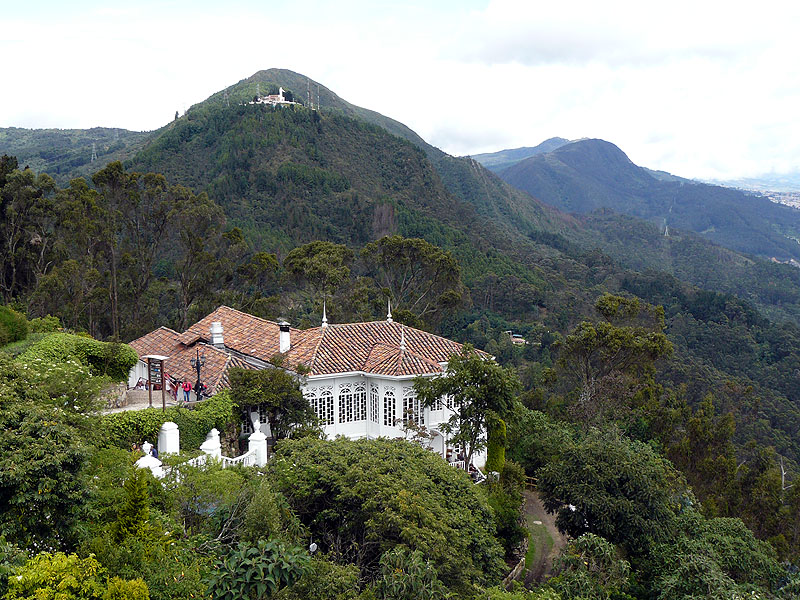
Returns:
<point x="496" y="444"/>
<point x="13" y="325"/>
<point x="280" y="394"/>
<point x="257" y="571"/>
<point x="616" y="488"/>
<point x="321" y="264"/>
<point x="42" y="454"/>
<point x="325" y="579"/>
<point x="612" y="361"/>
<point x="535" y="440"/>
<point x="113" y="360"/>
<point x="135" y="510"/>
<point x="121" y="589"/>
<point x="589" y="568"/>
<point x="46" y="324"/>
<point x="126" y="428"/>
<point x="11" y="558"/>
<point x="362" y="498"/>
<point x="476" y="388"/>
<point x="406" y="575"/>
<point x="420" y="277"/>
<point x="711" y="556"/>
<point x="57" y="577"/>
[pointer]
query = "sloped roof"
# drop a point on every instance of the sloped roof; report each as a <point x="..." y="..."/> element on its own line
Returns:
<point x="370" y="347"/>
<point x="242" y="332"/>
<point x="166" y="342"/>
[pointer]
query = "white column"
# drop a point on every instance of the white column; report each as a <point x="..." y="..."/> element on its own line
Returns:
<point x="212" y="446"/>
<point x="169" y="439"/>
<point x="258" y="442"/>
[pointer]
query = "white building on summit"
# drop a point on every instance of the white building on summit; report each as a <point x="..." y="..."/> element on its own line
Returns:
<point x="359" y="375"/>
<point x="273" y="99"/>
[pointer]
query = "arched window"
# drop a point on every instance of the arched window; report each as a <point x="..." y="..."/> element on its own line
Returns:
<point x="412" y="410"/>
<point x="321" y="402"/>
<point x="345" y="403"/>
<point x="389" y="407"/>
<point x="360" y="402"/>
<point x="373" y="404"/>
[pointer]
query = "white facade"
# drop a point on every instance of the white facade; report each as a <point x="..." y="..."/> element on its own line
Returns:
<point x="359" y="405"/>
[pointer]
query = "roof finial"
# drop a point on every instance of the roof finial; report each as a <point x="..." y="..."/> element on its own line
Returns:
<point x="402" y="339"/>
<point x="389" y="314"/>
<point x="324" y="315"/>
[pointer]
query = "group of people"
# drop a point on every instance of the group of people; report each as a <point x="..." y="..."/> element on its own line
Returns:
<point x="174" y="386"/>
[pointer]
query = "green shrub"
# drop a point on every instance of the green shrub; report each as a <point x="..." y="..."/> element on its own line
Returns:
<point x="121" y="589"/>
<point x="13" y="326"/>
<point x="102" y="358"/>
<point x="496" y="444"/>
<point x="47" y="324"/>
<point x="134" y="426"/>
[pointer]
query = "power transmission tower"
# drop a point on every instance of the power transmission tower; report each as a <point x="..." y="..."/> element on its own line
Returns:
<point x="308" y="94"/>
<point x="94" y="152"/>
<point x="226" y="100"/>
<point x="317" y="96"/>
<point x="258" y="89"/>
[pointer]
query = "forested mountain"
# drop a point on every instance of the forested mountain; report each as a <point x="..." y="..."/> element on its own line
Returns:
<point x="497" y="161"/>
<point x="588" y="175"/>
<point x="273" y="209"/>
<point x="67" y="153"/>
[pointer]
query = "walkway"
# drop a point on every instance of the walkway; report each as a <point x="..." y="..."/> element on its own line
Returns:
<point x="546" y="541"/>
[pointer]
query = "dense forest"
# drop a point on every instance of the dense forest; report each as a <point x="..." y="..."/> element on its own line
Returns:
<point x="655" y="394"/>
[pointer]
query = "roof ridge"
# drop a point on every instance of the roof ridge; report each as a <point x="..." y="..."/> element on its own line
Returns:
<point x="241" y="312"/>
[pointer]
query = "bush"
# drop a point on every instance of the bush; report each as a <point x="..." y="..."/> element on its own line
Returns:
<point x="496" y="447"/>
<point x="13" y="326"/>
<point x="48" y="324"/>
<point x="126" y="428"/>
<point x="362" y="498"/>
<point x="103" y="358"/>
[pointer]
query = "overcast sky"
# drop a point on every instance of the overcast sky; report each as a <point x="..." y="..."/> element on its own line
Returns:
<point x="700" y="89"/>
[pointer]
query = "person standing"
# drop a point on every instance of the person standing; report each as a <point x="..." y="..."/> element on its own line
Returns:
<point x="187" y="387"/>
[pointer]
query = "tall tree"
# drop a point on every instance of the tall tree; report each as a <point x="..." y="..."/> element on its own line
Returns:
<point x="420" y="277"/>
<point x="475" y="388"/>
<point x="119" y="190"/>
<point x="28" y="220"/>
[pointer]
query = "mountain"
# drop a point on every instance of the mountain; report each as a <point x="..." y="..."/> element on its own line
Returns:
<point x="288" y="175"/>
<point x="588" y="175"/>
<point x="497" y="161"/>
<point x="68" y="153"/>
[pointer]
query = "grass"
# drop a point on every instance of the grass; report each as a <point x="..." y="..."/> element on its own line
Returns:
<point x="540" y="543"/>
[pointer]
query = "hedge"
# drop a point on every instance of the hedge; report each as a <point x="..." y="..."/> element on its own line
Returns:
<point x="13" y="326"/>
<point x="496" y="445"/>
<point x="123" y="429"/>
<point x="102" y="358"/>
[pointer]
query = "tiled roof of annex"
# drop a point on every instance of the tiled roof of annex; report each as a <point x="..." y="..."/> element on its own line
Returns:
<point x="166" y="342"/>
<point x="370" y="347"/>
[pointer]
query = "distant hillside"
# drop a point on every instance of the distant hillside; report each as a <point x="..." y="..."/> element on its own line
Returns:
<point x="67" y="153"/>
<point x="588" y="175"/>
<point x="497" y="161"/>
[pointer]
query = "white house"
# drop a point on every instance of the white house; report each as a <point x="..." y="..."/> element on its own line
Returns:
<point x="359" y="375"/>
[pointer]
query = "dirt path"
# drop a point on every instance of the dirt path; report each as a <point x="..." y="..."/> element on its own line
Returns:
<point x="545" y="540"/>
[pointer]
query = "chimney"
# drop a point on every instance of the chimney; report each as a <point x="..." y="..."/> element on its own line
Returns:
<point x="285" y="342"/>
<point x="216" y="335"/>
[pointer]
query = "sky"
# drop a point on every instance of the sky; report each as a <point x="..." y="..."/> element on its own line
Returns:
<point x="701" y="89"/>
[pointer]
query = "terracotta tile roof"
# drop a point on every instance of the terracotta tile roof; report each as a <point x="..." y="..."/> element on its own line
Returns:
<point x="165" y="342"/>
<point x="241" y="332"/>
<point x="372" y="347"/>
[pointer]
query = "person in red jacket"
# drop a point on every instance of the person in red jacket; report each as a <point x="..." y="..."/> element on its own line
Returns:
<point x="187" y="387"/>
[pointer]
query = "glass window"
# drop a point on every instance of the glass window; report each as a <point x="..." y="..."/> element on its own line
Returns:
<point x="389" y="407"/>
